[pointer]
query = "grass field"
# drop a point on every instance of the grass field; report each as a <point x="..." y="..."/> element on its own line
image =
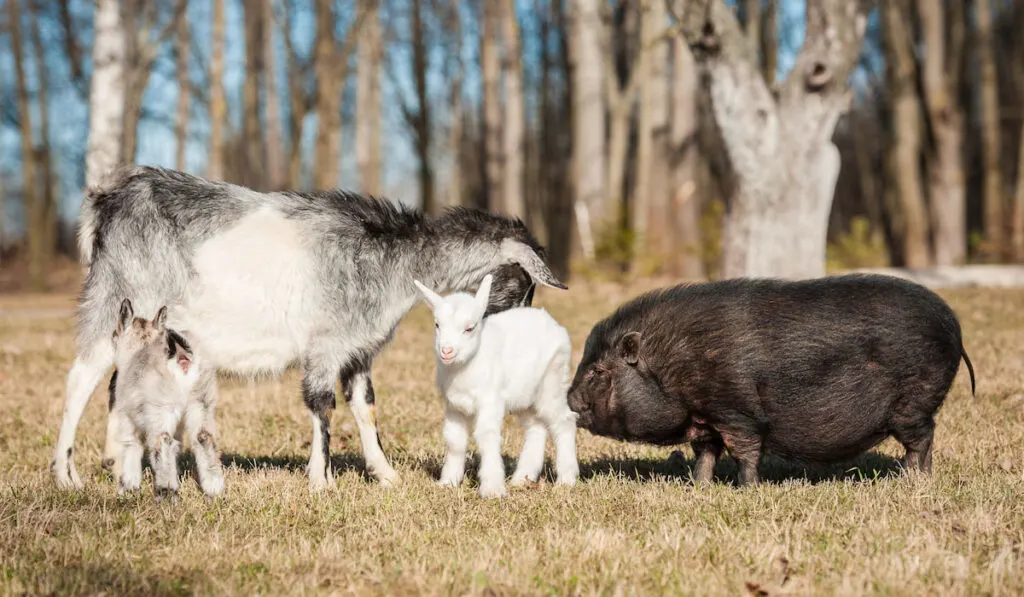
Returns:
<point x="634" y="525"/>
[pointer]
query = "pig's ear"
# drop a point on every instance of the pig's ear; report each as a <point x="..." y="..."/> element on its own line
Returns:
<point x="629" y="347"/>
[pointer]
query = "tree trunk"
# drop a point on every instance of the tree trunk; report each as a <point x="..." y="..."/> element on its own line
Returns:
<point x="328" y="100"/>
<point x="588" y="91"/>
<point x="781" y="152"/>
<point x="253" y="175"/>
<point x="419" y="65"/>
<point x="685" y="206"/>
<point x="368" y="99"/>
<point x="661" y="235"/>
<point x="769" y="41"/>
<point x="181" y="48"/>
<point x="298" y="102"/>
<point x="905" y="152"/>
<point x="945" y="169"/>
<point x="490" y="72"/>
<point x="274" y="113"/>
<point x="218" y="99"/>
<point x="642" y="201"/>
<point x="47" y="189"/>
<point x="512" y="151"/>
<point x="31" y="198"/>
<point x="752" y="23"/>
<point x="990" y="144"/>
<point x="107" y="92"/>
<point x="455" y="128"/>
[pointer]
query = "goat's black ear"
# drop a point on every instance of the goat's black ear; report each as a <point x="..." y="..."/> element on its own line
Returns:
<point x="629" y="347"/>
<point x="125" y="316"/>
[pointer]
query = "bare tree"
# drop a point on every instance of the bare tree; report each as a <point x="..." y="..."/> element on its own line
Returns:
<point x="368" y="98"/>
<point x="649" y="88"/>
<point x="943" y="45"/>
<point x="588" y="121"/>
<point x="685" y="200"/>
<point x="300" y="100"/>
<point x="514" y="121"/>
<point x="990" y="144"/>
<point x="218" y="99"/>
<point x="181" y="50"/>
<point x="655" y="99"/>
<point x="107" y="92"/>
<point x="44" y="231"/>
<point x="906" y="125"/>
<point x="331" y="64"/>
<point x="490" y="72"/>
<point x="253" y="173"/>
<point x="420" y="117"/>
<point x="455" y="130"/>
<point x="781" y="152"/>
<point x="31" y="198"/>
<point x="769" y="36"/>
<point x="274" y="116"/>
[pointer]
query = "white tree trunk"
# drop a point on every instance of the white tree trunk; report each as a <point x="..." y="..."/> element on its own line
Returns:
<point x="685" y="198"/>
<point x="589" y="121"/>
<point x="368" y="99"/>
<point x="106" y="93"/>
<point x="781" y="151"/>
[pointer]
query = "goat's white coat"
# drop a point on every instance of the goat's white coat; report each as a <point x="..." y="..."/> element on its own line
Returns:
<point x="514" y="361"/>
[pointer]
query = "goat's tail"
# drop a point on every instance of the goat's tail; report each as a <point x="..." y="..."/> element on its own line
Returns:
<point x="970" y="367"/>
<point x="88" y="217"/>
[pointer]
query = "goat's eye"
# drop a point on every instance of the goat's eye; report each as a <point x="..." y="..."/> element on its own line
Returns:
<point x="437" y="326"/>
<point x="469" y="329"/>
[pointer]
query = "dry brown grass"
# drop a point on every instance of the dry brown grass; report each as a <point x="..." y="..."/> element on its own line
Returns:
<point x="634" y="525"/>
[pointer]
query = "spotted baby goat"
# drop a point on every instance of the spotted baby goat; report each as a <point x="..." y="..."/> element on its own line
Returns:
<point x="157" y="382"/>
<point x="513" y="361"/>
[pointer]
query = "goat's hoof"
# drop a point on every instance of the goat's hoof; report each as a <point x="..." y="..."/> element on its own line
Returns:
<point x="213" y="487"/>
<point x="387" y="477"/>
<point x="107" y="464"/>
<point x="167" y="493"/>
<point x="449" y="483"/>
<point x="493" y="491"/>
<point x="66" y="475"/>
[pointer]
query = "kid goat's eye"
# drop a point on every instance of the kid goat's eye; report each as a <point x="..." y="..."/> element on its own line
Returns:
<point x="470" y="328"/>
<point x="437" y="325"/>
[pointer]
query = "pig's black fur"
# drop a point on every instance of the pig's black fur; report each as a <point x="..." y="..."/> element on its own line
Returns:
<point x="817" y="370"/>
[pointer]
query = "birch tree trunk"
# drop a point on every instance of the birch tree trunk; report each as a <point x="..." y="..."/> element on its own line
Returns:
<point x="490" y="72"/>
<point x="780" y="151"/>
<point x="512" y="175"/>
<point x="686" y="201"/>
<point x="274" y="112"/>
<point x="328" y="100"/>
<point x="218" y="99"/>
<point x="253" y="175"/>
<point x="107" y="92"/>
<point x="940" y="77"/>
<point x="368" y="99"/>
<point x="588" y="121"/>
<point x="990" y="144"/>
<point x="904" y="155"/>
<point x="181" y="48"/>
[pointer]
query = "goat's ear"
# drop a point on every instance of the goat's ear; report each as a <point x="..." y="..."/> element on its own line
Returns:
<point x="124" y="317"/>
<point x="629" y="347"/>
<point x="484" y="292"/>
<point x="433" y="299"/>
<point x="529" y="260"/>
<point x="160" y="321"/>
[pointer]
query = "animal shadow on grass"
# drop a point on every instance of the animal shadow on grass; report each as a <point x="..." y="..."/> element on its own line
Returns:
<point x="340" y="463"/>
<point x="865" y="468"/>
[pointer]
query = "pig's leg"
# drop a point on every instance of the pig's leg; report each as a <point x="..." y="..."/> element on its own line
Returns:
<point x="706" y="452"/>
<point x="746" y="449"/>
<point x="918" y="443"/>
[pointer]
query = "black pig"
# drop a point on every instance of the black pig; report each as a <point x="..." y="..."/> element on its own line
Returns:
<point x="814" y="370"/>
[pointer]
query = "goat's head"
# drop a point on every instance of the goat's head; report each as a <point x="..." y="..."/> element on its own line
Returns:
<point x="458" y="321"/>
<point x="132" y="333"/>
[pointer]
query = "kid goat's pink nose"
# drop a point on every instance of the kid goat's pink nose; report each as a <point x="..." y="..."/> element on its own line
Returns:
<point x="447" y="351"/>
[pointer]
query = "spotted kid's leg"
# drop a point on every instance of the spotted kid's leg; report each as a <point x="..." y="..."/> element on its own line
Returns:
<point x="201" y="429"/>
<point x="112" y="447"/>
<point x="358" y="391"/>
<point x="163" y="456"/>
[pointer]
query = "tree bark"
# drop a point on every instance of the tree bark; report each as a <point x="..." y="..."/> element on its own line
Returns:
<point x="274" y="112"/>
<point x="107" y="92"/>
<point x="299" y="101"/>
<point x="945" y="168"/>
<point x="422" y="119"/>
<point x="590" y="193"/>
<point x="31" y="198"/>
<point x="662" y="236"/>
<point x="253" y="174"/>
<point x="368" y="99"/>
<point x="141" y="49"/>
<point x="905" y="152"/>
<point x="990" y="144"/>
<point x="780" y="151"/>
<point x="455" y="128"/>
<point x="490" y="72"/>
<point x="686" y="200"/>
<point x="182" y="44"/>
<point x="770" y="41"/>
<point x="218" y="99"/>
<point x="514" y="122"/>
<point x="642" y="202"/>
<point x="328" y="100"/>
<point x="48" y="186"/>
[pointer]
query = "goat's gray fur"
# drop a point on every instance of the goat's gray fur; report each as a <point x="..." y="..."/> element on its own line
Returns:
<point x="262" y="281"/>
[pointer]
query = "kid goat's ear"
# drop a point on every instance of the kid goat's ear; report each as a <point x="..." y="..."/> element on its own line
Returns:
<point x="433" y="299"/>
<point x="160" y="321"/>
<point x="484" y="292"/>
<point x="629" y="347"/>
<point x="124" y="317"/>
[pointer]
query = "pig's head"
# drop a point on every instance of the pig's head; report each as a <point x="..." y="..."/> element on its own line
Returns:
<point x="616" y="392"/>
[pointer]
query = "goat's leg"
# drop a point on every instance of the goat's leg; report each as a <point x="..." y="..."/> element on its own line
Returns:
<point x="163" y="457"/>
<point x="456" y="438"/>
<point x="112" y="447"/>
<point x="89" y="367"/>
<point x="553" y="409"/>
<point x="201" y="428"/>
<point x="488" y="440"/>
<point x="358" y="391"/>
<point x="531" y="459"/>
<point x="318" y="394"/>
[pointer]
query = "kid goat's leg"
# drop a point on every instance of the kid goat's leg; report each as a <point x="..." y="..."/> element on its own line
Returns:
<point x="202" y="433"/>
<point x="358" y="391"/>
<point x="456" y="439"/>
<point x="89" y="367"/>
<point x="163" y="456"/>
<point x="488" y="441"/>
<point x="531" y="459"/>
<point x="553" y="409"/>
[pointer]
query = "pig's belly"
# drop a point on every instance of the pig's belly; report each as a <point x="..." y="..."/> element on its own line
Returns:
<point x="826" y="430"/>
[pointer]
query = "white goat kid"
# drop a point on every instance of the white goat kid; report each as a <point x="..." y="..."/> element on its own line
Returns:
<point x="513" y="361"/>
<point x="159" y="389"/>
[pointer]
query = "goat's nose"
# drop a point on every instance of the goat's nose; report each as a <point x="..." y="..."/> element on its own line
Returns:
<point x="447" y="351"/>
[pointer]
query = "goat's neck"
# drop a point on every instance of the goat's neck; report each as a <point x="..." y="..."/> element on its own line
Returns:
<point x="453" y="266"/>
